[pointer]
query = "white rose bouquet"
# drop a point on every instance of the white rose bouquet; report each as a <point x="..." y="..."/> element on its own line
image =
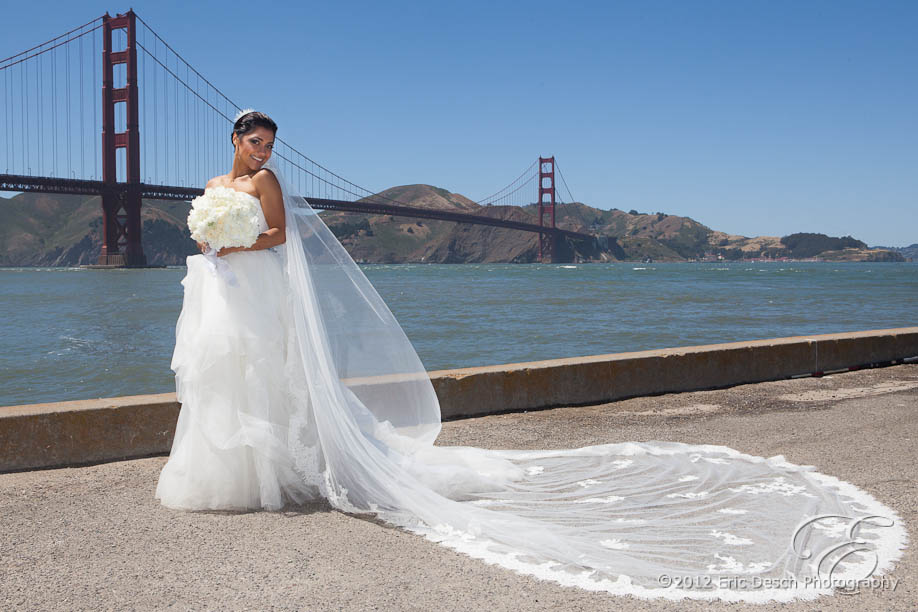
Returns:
<point x="220" y="218"/>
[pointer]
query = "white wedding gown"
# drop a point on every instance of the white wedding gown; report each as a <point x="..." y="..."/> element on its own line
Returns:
<point x="230" y="450"/>
<point x="298" y="383"/>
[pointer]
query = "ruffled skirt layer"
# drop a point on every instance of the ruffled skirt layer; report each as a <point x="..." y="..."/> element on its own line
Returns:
<point x="231" y="447"/>
<point x="652" y="519"/>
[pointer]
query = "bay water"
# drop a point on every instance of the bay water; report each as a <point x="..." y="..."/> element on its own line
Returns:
<point x="72" y="333"/>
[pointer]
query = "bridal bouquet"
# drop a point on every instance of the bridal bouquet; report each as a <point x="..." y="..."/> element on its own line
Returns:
<point x="220" y="218"/>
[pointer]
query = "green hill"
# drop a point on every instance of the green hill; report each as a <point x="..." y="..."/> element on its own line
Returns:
<point x="38" y="229"/>
<point x="63" y="230"/>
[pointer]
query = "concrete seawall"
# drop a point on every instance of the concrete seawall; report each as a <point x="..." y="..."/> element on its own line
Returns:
<point x="67" y="433"/>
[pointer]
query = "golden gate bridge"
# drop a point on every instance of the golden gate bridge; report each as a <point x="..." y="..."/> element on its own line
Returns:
<point x="72" y="126"/>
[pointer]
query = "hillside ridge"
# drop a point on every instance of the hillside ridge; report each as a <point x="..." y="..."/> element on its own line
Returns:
<point x="65" y="230"/>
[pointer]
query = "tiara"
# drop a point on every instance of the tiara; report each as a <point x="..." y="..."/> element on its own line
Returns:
<point x="244" y="111"/>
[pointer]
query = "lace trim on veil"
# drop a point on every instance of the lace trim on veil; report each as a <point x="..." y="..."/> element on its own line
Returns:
<point x="651" y="520"/>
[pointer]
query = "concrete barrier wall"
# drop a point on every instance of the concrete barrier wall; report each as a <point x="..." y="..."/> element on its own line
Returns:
<point x="85" y="431"/>
<point x="602" y="378"/>
<point x="68" y="433"/>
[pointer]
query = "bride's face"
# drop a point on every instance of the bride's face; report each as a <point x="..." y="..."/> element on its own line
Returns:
<point x="255" y="147"/>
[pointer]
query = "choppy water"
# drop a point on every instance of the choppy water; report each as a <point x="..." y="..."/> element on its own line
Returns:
<point x="76" y="333"/>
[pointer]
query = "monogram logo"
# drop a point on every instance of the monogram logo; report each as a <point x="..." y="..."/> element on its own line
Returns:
<point x="852" y="547"/>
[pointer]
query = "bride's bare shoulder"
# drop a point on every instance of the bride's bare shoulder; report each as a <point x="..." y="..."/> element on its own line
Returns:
<point x="217" y="181"/>
<point x="266" y="183"/>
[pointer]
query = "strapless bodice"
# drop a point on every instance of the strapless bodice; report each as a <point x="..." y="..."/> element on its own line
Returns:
<point x="262" y="222"/>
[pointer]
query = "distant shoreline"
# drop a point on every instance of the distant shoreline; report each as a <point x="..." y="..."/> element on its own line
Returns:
<point x="505" y="263"/>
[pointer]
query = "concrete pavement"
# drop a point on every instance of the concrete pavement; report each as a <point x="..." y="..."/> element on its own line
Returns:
<point x="95" y="538"/>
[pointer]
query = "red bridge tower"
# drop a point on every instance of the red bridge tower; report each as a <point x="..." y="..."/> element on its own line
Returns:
<point x="546" y="239"/>
<point x="120" y="201"/>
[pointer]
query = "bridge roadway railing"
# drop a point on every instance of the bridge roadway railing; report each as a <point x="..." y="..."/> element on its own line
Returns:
<point x="12" y="182"/>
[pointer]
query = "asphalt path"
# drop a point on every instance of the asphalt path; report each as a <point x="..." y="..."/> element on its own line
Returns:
<point x="94" y="537"/>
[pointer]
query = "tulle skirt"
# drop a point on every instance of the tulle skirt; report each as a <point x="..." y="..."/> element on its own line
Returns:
<point x="621" y="518"/>
<point x="231" y="449"/>
<point x="304" y="350"/>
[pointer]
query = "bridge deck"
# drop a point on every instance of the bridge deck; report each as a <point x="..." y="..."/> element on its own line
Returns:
<point x="370" y="205"/>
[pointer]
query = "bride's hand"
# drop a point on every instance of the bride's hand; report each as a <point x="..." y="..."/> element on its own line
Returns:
<point x="202" y="246"/>
<point x="228" y="250"/>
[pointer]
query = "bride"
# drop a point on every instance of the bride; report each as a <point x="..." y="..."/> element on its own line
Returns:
<point x="297" y="383"/>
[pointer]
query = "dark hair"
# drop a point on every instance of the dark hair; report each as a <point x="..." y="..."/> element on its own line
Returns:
<point x="249" y="121"/>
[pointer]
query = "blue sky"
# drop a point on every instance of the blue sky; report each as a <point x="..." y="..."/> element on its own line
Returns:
<point x="764" y="117"/>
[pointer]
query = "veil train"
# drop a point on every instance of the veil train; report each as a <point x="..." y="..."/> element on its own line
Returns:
<point x="655" y="519"/>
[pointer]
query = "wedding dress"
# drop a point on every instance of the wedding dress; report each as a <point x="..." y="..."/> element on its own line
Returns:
<point x="297" y="382"/>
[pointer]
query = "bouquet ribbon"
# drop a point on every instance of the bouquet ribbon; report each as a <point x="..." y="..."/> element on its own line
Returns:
<point x="220" y="268"/>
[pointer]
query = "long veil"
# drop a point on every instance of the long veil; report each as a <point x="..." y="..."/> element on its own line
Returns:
<point x="656" y="519"/>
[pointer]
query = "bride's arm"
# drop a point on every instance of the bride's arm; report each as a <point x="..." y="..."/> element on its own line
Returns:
<point x="272" y="204"/>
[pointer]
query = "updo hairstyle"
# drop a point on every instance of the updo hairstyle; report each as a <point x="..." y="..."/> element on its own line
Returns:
<point x="249" y="121"/>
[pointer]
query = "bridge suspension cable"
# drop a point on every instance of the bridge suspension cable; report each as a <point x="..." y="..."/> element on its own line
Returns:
<point x="162" y="117"/>
<point x="330" y="183"/>
<point x="33" y="107"/>
<point x="514" y="185"/>
<point x="22" y="59"/>
<point x="564" y="182"/>
<point x="184" y="117"/>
